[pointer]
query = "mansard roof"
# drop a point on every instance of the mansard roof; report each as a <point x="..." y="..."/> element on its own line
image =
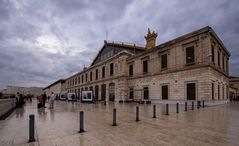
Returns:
<point x="117" y="45"/>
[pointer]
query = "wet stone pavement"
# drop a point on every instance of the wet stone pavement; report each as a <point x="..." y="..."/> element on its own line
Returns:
<point x="210" y="126"/>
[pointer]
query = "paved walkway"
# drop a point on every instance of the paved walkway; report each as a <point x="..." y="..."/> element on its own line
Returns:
<point x="211" y="126"/>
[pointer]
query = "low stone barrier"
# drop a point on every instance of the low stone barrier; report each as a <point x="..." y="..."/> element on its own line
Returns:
<point x="6" y="107"/>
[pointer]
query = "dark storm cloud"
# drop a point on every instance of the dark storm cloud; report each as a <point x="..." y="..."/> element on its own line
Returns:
<point x="42" y="41"/>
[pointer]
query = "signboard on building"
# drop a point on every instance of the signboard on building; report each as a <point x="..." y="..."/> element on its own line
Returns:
<point x="87" y="96"/>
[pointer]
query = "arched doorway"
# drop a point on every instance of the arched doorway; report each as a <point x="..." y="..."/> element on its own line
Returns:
<point x="112" y="92"/>
<point x="96" y="92"/>
<point x="103" y="92"/>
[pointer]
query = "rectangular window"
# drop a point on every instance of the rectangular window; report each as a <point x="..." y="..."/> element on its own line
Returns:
<point x="165" y="92"/>
<point x="146" y="92"/>
<point x="145" y="66"/>
<point x="103" y="71"/>
<point x="164" y="61"/>
<point x="212" y="53"/>
<point x="218" y="91"/>
<point x="191" y="91"/>
<point x="75" y="81"/>
<point x="218" y="58"/>
<point x="91" y="76"/>
<point x="86" y="77"/>
<point x="227" y="65"/>
<point x="131" y="93"/>
<point x="190" y="55"/>
<point x="223" y="62"/>
<point x="82" y="79"/>
<point x="212" y="91"/>
<point x="111" y="69"/>
<point x="78" y="80"/>
<point x="96" y="74"/>
<point x="227" y="91"/>
<point x="223" y="96"/>
<point x="131" y="71"/>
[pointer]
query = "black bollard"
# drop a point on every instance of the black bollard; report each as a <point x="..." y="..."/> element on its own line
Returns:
<point x="192" y="105"/>
<point x="81" y="122"/>
<point x="114" y="117"/>
<point x="154" y="111"/>
<point x="203" y="104"/>
<point x="199" y="104"/>
<point x="137" y="114"/>
<point x="186" y="106"/>
<point x="177" y="108"/>
<point x="167" y="109"/>
<point x="31" y="128"/>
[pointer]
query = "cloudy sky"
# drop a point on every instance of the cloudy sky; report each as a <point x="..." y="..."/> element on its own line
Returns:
<point x="44" y="40"/>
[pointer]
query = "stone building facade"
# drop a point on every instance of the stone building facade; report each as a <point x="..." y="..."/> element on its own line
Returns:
<point x="58" y="87"/>
<point x="234" y="87"/>
<point x="191" y="67"/>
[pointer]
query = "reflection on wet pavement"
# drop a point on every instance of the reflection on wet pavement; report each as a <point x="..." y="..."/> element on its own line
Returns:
<point x="218" y="125"/>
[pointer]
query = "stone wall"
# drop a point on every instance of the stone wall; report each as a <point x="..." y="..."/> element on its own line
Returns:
<point x="6" y="105"/>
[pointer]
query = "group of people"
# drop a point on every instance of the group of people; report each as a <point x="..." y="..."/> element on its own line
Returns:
<point x="20" y="100"/>
<point x="43" y="98"/>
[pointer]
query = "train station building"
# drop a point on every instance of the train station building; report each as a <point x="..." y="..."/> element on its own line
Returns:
<point x="191" y="67"/>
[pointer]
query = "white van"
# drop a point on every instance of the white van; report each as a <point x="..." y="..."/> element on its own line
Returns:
<point x="69" y="96"/>
<point x="62" y="97"/>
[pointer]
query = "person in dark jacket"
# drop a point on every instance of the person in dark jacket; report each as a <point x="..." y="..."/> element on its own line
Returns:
<point x="44" y="99"/>
<point x="73" y="98"/>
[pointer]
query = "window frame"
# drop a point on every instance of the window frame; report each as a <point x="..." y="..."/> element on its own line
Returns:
<point x="145" y="68"/>
<point x="111" y="69"/>
<point x="131" y="70"/>
<point x="187" y="52"/>
<point x="161" y="61"/>
<point x="91" y="76"/>
<point x="103" y="72"/>
<point x="213" y="53"/>
<point x="96" y="74"/>
<point x="165" y="85"/>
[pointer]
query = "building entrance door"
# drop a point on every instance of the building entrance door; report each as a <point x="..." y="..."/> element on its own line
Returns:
<point x="103" y="92"/>
<point x="165" y="92"/>
<point x="191" y="91"/>
<point x="112" y="92"/>
<point x="146" y="93"/>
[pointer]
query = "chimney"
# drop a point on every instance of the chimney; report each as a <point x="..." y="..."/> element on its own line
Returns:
<point x="150" y="39"/>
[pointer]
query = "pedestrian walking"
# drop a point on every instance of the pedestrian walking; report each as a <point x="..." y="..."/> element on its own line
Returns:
<point x="30" y="99"/>
<point x="44" y="99"/>
<point x="52" y="98"/>
<point x="40" y="102"/>
<point x="17" y="99"/>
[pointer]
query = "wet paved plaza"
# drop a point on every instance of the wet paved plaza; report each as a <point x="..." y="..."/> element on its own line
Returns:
<point x="218" y="125"/>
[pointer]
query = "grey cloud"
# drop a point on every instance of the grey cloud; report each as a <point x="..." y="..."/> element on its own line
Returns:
<point x="80" y="26"/>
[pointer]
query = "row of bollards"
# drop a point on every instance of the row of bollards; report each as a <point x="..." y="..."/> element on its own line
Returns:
<point x="81" y="128"/>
